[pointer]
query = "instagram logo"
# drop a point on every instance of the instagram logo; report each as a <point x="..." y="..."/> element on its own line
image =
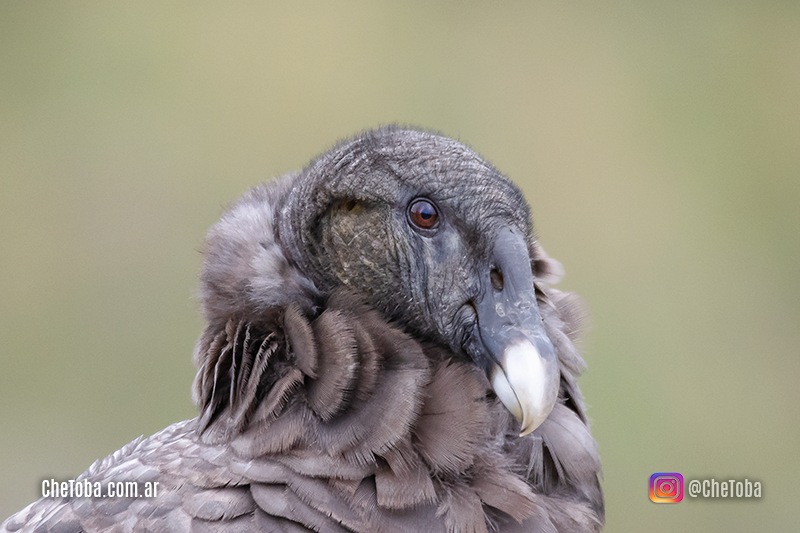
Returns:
<point x="666" y="487"/>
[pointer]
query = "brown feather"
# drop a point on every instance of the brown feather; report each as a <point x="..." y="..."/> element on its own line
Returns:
<point x="220" y="504"/>
<point x="405" y="489"/>
<point x="338" y="364"/>
<point x="240" y="524"/>
<point x="506" y="492"/>
<point x="248" y="399"/>
<point x="453" y="418"/>
<point x="462" y="510"/>
<point x="300" y="339"/>
<point x="277" y="500"/>
<point x="279" y="435"/>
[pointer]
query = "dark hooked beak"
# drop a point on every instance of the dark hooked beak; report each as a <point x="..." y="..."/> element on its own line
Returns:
<point x="512" y="347"/>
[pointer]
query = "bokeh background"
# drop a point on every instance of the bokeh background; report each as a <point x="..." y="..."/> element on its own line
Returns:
<point x="658" y="144"/>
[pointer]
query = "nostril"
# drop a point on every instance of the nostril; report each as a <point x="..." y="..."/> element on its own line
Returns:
<point x="497" y="279"/>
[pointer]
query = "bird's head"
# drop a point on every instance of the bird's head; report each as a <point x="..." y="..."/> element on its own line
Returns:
<point x="439" y="241"/>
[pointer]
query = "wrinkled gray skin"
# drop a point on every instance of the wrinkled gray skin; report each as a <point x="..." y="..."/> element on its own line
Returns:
<point x="422" y="278"/>
<point x="345" y="223"/>
<point x="475" y="284"/>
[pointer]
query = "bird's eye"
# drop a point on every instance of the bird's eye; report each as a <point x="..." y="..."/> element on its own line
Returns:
<point x="423" y="214"/>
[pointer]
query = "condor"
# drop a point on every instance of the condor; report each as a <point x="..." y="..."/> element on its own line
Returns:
<point x="383" y="353"/>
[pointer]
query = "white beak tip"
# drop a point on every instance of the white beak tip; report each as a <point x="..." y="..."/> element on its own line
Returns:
<point x="522" y="383"/>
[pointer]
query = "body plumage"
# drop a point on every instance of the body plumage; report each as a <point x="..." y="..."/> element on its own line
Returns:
<point x="367" y="322"/>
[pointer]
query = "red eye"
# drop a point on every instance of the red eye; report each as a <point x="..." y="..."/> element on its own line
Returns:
<point x="423" y="214"/>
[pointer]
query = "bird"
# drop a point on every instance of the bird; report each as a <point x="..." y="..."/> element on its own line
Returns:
<point x="384" y="351"/>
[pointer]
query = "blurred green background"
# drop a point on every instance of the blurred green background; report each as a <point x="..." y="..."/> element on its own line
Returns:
<point x="658" y="144"/>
